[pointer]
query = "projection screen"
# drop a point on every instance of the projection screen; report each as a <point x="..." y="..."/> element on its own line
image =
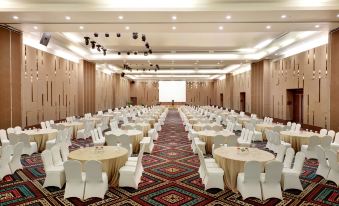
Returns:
<point x="172" y="90"/>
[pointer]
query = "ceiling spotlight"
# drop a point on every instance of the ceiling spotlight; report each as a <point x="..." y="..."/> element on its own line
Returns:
<point x="35" y="27"/>
<point x="86" y="40"/>
<point x="150" y="51"/>
<point x="118" y="35"/>
<point x="147" y="45"/>
<point x="128" y="53"/>
<point x="221" y="27"/>
<point x="317" y="26"/>
<point x="93" y="44"/>
<point x="121" y="17"/>
<point x="81" y="27"/>
<point x="145" y="53"/>
<point x="268" y="27"/>
<point x="127" y="27"/>
<point x="143" y="37"/>
<point x="96" y="34"/>
<point x="143" y="69"/>
<point x="135" y="35"/>
<point x="119" y="53"/>
<point x="337" y="15"/>
<point x="228" y="17"/>
<point x="283" y="16"/>
<point x="107" y="35"/>
<point x="104" y="50"/>
<point x="15" y="17"/>
<point x="67" y="17"/>
<point x="174" y="18"/>
<point x="135" y="53"/>
<point x="174" y="28"/>
<point x="151" y="65"/>
<point x="98" y="47"/>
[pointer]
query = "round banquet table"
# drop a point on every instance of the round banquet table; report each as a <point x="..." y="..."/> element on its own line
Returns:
<point x="232" y="162"/>
<point x="145" y="126"/>
<point x="243" y="120"/>
<point x="200" y="126"/>
<point x="41" y="136"/>
<point x="208" y="137"/>
<point x="296" y="139"/>
<point x="151" y="121"/>
<point x="135" y="136"/>
<point x="112" y="159"/>
<point x="263" y="127"/>
<point x="76" y="126"/>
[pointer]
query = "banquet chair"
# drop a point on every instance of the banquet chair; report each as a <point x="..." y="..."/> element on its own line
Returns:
<point x="289" y="157"/>
<point x="331" y="133"/>
<point x="15" y="160"/>
<point x="323" y="167"/>
<point x="270" y="180"/>
<point x="216" y="128"/>
<point x="95" y="138"/>
<point x="231" y="141"/>
<point x="13" y="138"/>
<point x="59" y="138"/>
<point x="125" y="142"/>
<point x="290" y="177"/>
<point x="257" y="136"/>
<point x="3" y="138"/>
<point x="157" y="126"/>
<point x="213" y="175"/>
<point x="297" y="127"/>
<point x="112" y="140"/>
<point x="209" y="162"/>
<point x="29" y="147"/>
<point x="289" y="124"/>
<point x="51" y="122"/>
<point x="125" y="120"/>
<point x="75" y="179"/>
<point x="10" y="130"/>
<point x="218" y="120"/>
<point x="148" y="141"/>
<point x="55" y="175"/>
<point x="281" y="151"/>
<point x="293" y="126"/>
<point x="69" y="136"/>
<point x="333" y="175"/>
<point x="4" y="161"/>
<point x="100" y="113"/>
<point x="17" y="129"/>
<point x="113" y="125"/>
<point x="218" y="141"/>
<point x="48" y="125"/>
<point x="100" y="134"/>
<point x="323" y="132"/>
<point x="277" y="129"/>
<point x="325" y="142"/>
<point x="64" y="151"/>
<point x="132" y="161"/>
<point x="56" y="155"/>
<point x="197" y="144"/>
<point x="246" y="140"/>
<point x="109" y="111"/>
<point x="309" y="150"/>
<point x="335" y="144"/>
<point x="96" y="180"/>
<point x="130" y="176"/>
<point x="43" y="125"/>
<point x="248" y="182"/>
<point x="207" y="127"/>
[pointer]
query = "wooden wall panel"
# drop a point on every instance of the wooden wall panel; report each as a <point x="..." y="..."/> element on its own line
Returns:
<point x="10" y="80"/>
<point x="103" y="91"/>
<point x="121" y="90"/>
<point x="49" y="87"/>
<point x="200" y="93"/>
<point x="146" y="92"/>
<point x="334" y="76"/>
<point x="242" y="83"/>
<point x="89" y="86"/>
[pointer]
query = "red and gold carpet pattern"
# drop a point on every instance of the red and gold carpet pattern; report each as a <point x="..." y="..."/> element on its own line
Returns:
<point x="170" y="178"/>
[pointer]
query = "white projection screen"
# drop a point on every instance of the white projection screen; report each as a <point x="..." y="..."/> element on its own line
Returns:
<point x="172" y="90"/>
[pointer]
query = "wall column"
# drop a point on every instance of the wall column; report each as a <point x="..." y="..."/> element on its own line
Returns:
<point x="334" y="83"/>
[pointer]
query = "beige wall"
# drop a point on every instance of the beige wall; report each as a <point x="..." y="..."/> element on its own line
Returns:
<point x="146" y="92"/>
<point x="121" y="90"/>
<point x="200" y="93"/>
<point x="242" y="83"/>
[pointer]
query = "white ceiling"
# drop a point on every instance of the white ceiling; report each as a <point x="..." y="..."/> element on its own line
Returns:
<point x="197" y="46"/>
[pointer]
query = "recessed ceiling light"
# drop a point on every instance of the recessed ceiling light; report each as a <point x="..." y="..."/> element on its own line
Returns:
<point x="174" y="28"/>
<point x="317" y="26"/>
<point x="174" y="17"/>
<point x="268" y="27"/>
<point x="127" y="27"/>
<point x="15" y="17"/>
<point x="67" y="17"/>
<point x="221" y="27"/>
<point x="81" y="27"/>
<point x="337" y="15"/>
<point x="218" y="63"/>
<point x="121" y="17"/>
<point x="35" y="27"/>
<point x="283" y="16"/>
<point x="228" y="17"/>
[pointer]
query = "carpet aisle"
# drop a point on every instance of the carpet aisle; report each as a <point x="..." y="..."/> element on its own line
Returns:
<point x="170" y="178"/>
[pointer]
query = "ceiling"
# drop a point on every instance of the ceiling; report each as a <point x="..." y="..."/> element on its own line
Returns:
<point x="189" y="39"/>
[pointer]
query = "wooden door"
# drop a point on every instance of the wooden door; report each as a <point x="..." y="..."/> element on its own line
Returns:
<point x="243" y="101"/>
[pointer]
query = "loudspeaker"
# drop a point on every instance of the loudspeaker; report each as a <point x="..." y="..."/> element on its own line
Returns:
<point x="46" y="36"/>
<point x="122" y="74"/>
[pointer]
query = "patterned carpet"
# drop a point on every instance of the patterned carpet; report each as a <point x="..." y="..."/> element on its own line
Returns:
<point x="170" y="178"/>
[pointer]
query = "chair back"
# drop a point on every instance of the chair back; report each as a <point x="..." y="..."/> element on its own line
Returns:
<point x="64" y="151"/>
<point x="289" y="124"/>
<point x="100" y="135"/>
<point x="252" y="171"/>
<point x="232" y="141"/>
<point x="323" y="132"/>
<point x="273" y="170"/>
<point x="3" y="135"/>
<point x="51" y="122"/>
<point x="25" y="139"/>
<point x="93" y="171"/>
<point x="125" y="141"/>
<point x="325" y="142"/>
<point x="47" y="159"/>
<point x="293" y="126"/>
<point x="73" y="171"/>
<point x="219" y="141"/>
<point x="312" y="142"/>
<point x="112" y="140"/>
<point x="10" y="130"/>
<point x="289" y="157"/>
<point x="299" y="162"/>
<point x="332" y="160"/>
<point x="6" y="153"/>
<point x="13" y="138"/>
<point x="320" y="155"/>
<point x="56" y="155"/>
<point x="17" y="150"/>
<point x="281" y="153"/>
<point x="43" y="125"/>
<point x="331" y="133"/>
<point x="114" y="125"/>
<point x="297" y="127"/>
<point x="17" y="129"/>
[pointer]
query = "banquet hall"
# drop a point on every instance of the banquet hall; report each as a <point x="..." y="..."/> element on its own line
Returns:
<point x="169" y="103"/>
